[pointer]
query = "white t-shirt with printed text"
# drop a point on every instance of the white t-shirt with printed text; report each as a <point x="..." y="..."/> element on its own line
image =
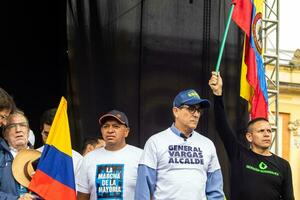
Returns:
<point x="110" y="174"/>
<point x="181" y="165"/>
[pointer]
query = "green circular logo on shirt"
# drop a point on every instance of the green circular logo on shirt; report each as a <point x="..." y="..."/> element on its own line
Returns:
<point x="262" y="165"/>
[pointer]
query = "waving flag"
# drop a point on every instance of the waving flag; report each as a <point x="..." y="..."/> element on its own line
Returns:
<point x="248" y="16"/>
<point x="54" y="177"/>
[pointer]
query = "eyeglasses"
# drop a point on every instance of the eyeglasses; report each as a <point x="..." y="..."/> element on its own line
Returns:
<point x="15" y="125"/>
<point x="3" y="117"/>
<point x="192" y="109"/>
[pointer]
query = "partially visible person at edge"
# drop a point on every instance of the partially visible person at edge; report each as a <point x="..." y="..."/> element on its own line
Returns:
<point x="256" y="173"/>
<point x="7" y="105"/>
<point x="45" y="125"/>
<point x="90" y="144"/>
<point x="110" y="172"/>
<point x="15" y="133"/>
<point x="179" y="163"/>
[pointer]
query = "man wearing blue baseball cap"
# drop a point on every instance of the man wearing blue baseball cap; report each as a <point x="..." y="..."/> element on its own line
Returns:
<point x="179" y="163"/>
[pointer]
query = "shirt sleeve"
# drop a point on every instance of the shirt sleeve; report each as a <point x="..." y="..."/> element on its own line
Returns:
<point x="149" y="155"/>
<point x="224" y="130"/>
<point x="146" y="182"/>
<point x="82" y="179"/>
<point x="214" y="186"/>
<point x="77" y="160"/>
<point x="214" y="161"/>
<point x="6" y="196"/>
<point x="287" y="188"/>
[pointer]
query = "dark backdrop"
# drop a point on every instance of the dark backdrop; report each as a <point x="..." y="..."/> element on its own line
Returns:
<point x="33" y="59"/>
<point x="137" y="55"/>
<point x="130" y="55"/>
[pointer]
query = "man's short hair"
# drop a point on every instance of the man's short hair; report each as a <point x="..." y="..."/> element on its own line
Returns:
<point x="253" y="121"/>
<point x="47" y="117"/>
<point x="6" y="101"/>
<point x="16" y="111"/>
<point x="87" y="141"/>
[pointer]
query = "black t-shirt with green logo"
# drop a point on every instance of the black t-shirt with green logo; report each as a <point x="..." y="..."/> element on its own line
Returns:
<point x="253" y="176"/>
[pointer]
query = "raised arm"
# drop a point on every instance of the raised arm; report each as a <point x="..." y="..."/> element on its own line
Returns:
<point x="222" y="125"/>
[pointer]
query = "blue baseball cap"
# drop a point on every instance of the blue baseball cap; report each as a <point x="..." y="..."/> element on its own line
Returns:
<point x="190" y="97"/>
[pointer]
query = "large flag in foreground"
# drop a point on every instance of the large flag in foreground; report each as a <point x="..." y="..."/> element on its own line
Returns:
<point x="54" y="177"/>
<point x="248" y="16"/>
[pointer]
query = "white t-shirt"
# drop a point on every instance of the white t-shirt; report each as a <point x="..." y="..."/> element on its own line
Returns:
<point x="181" y="165"/>
<point x="77" y="160"/>
<point x="110" y="174"/>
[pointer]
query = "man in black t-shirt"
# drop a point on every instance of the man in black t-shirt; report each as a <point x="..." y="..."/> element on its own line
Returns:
<point x="256" y="173"/>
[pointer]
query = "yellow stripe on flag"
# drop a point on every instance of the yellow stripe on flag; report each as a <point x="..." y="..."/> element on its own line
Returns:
<point x="245" y="89"/>
<point x="259" y="5"/>
<point x="59" y="135"/>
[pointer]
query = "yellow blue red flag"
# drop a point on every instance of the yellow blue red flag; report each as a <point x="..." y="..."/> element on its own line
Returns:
<point x="54" y="177"/>
<point x="248" y="16"/>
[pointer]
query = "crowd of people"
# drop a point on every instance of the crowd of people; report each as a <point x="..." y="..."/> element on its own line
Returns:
<point x="177" y="163"/>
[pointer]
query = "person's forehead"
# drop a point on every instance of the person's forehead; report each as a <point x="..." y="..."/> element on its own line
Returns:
<point x="5" y="112"/>
<point x="261" y="124"/>
<point x="46" y="126"/>
<point x="16" y="118"/>
<point x="112" y="121"/>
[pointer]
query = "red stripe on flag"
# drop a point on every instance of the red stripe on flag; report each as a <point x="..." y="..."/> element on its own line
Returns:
<point x="259" y="106"/>
<point x="242" y="14"/>
<point x="250" y="61"/>
<point x="50" y="189"/>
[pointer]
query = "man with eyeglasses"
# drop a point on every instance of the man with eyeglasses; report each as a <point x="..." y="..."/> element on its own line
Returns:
<point x="179" y="163"/>
<point x="256" y="173"/>
<point x="15" y="133"/>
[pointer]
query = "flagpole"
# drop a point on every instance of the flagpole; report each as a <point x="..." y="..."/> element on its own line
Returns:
<point x="224" y="38"/>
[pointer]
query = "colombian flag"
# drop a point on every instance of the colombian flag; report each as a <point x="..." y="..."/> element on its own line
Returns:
<point x="247" y="15"/>
<point x="54" y="177"/>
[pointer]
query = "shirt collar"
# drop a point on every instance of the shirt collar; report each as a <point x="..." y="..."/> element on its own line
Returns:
<point x="14" y="151"/>
<point x="177" y="132"/>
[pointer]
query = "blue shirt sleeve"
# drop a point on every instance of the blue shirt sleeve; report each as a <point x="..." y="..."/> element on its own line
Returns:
<point x="6" y="196"/>
<point x="145" y="184"/>
<point x="214" y="186"/>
